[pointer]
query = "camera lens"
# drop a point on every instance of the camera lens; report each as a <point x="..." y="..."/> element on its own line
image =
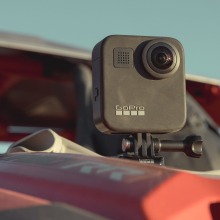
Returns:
<point x="162" y="57"/>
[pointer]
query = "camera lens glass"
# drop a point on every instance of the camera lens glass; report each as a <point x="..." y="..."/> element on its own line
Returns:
<point x="162" y="57"/>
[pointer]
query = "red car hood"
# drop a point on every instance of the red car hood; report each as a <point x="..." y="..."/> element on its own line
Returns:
<point x="112" y="188"/>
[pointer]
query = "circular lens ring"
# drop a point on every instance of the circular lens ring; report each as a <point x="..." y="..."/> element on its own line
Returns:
<point x="151" y="64"/>
<point x="147" y="59"/>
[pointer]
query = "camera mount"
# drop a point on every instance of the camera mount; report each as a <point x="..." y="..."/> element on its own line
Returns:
<point x="144" y="148"/>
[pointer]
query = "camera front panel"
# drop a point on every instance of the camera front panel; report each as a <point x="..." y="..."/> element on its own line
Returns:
<point x="138" y="85"/>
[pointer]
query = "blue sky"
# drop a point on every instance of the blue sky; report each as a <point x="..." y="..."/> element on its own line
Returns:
<point x="83" y="23"/>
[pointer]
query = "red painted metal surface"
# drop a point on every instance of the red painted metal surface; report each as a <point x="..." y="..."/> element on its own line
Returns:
<point x="25" y="90"/>
<point x="13" y="200"/>
<point x="113" y="188"/>
<point x="208" y="96"/>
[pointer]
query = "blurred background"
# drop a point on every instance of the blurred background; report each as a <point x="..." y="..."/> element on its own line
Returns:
<point x="83" y="23"/>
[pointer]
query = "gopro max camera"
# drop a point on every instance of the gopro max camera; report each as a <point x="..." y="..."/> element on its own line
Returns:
<point x="138" y="85"/>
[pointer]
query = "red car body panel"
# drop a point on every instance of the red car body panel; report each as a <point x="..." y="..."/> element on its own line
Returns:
<point x="113" y="188"/>
<point x="207" y="95"/>
<point x="10" y="200"/>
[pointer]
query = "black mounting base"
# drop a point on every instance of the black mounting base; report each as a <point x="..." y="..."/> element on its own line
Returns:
<point x="144" y="148"/>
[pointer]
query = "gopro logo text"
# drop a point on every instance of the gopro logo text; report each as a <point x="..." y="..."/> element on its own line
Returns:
<point x="129" y="110"/>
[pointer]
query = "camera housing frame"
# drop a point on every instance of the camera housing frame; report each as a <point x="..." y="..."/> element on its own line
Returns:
<point x="122" y="72"/>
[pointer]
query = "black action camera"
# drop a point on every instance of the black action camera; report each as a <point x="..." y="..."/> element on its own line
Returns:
<point x="138" y="85"/>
